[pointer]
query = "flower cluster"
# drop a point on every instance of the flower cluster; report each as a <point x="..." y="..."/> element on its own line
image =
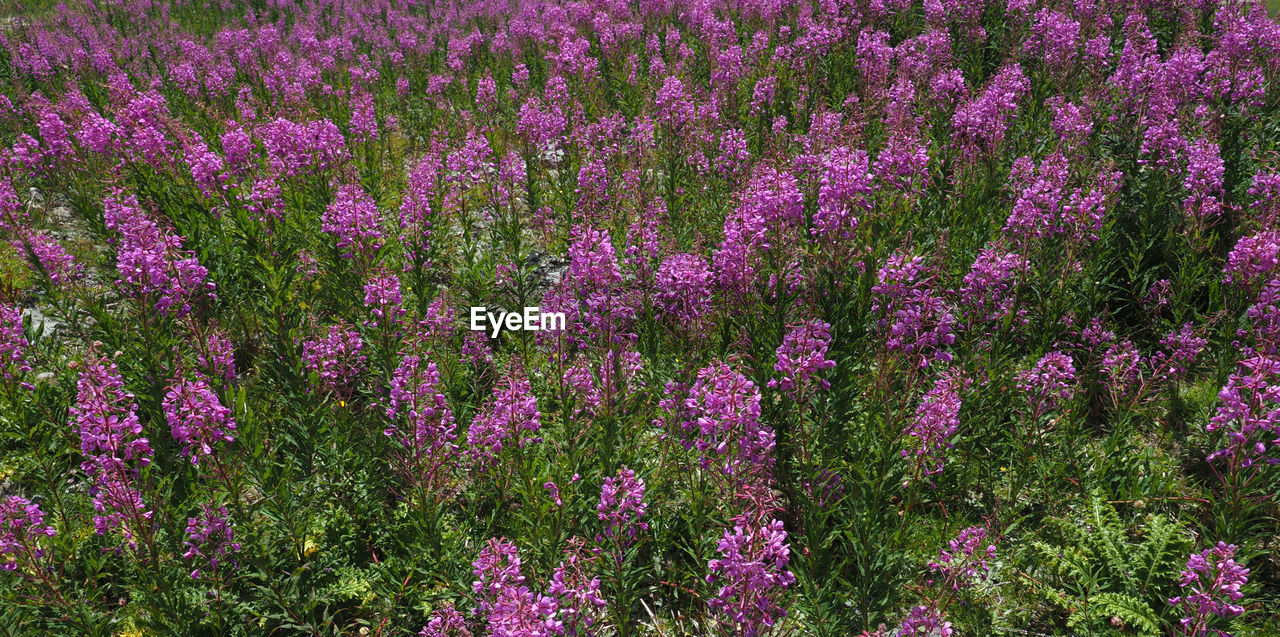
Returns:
<point x="21" y="526"/>
<point x="964" y="562"/>
<point x="512" y="412"/>
<point x="210" y="538"/>
<point x="622" y="505"/>
<point x="113" y="449"/>
<point x="929" y="432"/>
<point x="354" y="221"/>
<point x="915" y="320"/>
<point x="197" y="418"/>
<point x="1211" y="587"/>
<point x="751" y="568"/>
<point x="336" y="358"/>
<point x="151" y="262"/>
<point x="802" y="355"/>
<point x="509" y="607"/>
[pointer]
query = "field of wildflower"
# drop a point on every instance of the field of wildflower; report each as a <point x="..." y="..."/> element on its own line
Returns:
<point x="882" y="318"/>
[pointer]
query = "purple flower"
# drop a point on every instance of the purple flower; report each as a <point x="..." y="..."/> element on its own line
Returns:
<point x="510" y="608"/>
<point x="751" y="569"/>
<point x="915" y="320"/>
<point x="924" y="621"/>
<point x="512" y="410"/>
<point x="576" y="591"/>
<point x="1211" y="587"/>
<point x="801" y="356"/>
<point x="964" y="562"/>
<point x="13" y="342"/>
<point x="112" y="446"/>
<point x="427" y="445"/>
<point x="445" y="621"/>
<point x="336" y="358"/>
<point x="988" y="291"/>
<point x="684" y="287"/>
<point x="936" y="419"/>
<point x="151" y="262"/>
<point x="197" y="418"/>
<point x="382" y="297"/>
<point x="1049" y="383"/>
<point x="21" y="526"/>
<point x="622" y="504"/>
<point x="354" y="221"/>
<point x="1249" y="412"/>
<point x="210" y="538"/>
<point x="722" y="420"/>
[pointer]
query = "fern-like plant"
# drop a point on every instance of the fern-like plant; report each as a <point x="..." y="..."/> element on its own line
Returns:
<point x="1112" y="577"/>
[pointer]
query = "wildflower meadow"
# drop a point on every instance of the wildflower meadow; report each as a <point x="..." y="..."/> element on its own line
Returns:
<point x="631" y="318"/>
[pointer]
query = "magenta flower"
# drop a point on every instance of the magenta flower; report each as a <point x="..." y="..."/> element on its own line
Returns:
<point x="336" y="358"/>
<point x="210" y="538"/>
<point x="21" y="527"/>
<point x="197" y="418"/>
<point x="751" y="570"/>
<point x="353" y="220"/>
<point x="512" y="411"/>
<point x="622" y="504"/>
<point x="113" y="449"/>
<point x="802" y="356"/>
<point x="1211" y="587"/>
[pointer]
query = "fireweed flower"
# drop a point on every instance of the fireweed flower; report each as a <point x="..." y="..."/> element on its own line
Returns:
<point x="112" y="446"/>
<point x="13" y="342"/>
<point x="751" y="570"/>
<point x="151" y="262"/>
<point x="48" y="256"/>
<point x="915" y="321"/>
<point x="510" y="608"/>
<point x="354" y="221"/>
<point x="988" y="290"/>
<point x="303" y="149"/>
<point x="979" y="125"/>
<point x="21" y="527"/>
<point x="511" y="412"/>
<point x="1211" y="587"/>
<point x="924" y="621"/>
<point x="382" y="297"/>
<point x="622" y="505"/>
<point x="577" y="591"/>
<point x="336" y="358"/>
<point x="1249" y="412"/>
<point x="844" y="190"/>
<point x="1205" y="170"/>
<point x="802" y="356"/>
<point x="1252" y="258"/>
<point x="964" y="562"/>
<point x="445" y="621"/>
<point x="210" y="539"/>
<point x="1049" y="383"/>
<point x="684" y="287"/>
<point x="723" y="411"/>
<point x="197" y="418"/>
<point x="427" y="443"/>
<point x="930" y="430"/>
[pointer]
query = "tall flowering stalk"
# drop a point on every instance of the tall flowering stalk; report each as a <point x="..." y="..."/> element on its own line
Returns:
<point x="508" y="606"/>
<point x="152" y="264"/>
<point x="113" y="449"/>
<point x="512" y="413"/>
<point x="426" y="440"/>
<point x="929" y="432"/>
<point x="751" y="573"/>
<point x="1211" y="589"/>
<point x="197" y="418"/>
